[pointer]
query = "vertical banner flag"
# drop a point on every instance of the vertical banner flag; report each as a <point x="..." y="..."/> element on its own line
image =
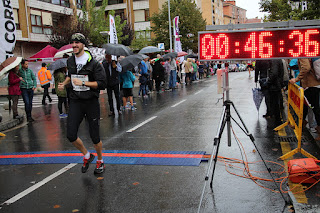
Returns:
<point x="177" y="42"/>
<point x="113" y="34"/>
<point x="7" y="30"/>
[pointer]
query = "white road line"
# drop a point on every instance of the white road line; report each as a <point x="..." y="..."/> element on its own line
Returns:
<point x="178" y="103"/>
<point x="141" y="124"/>
<point x="38" y="185"/>
<point x="198" y="92"/>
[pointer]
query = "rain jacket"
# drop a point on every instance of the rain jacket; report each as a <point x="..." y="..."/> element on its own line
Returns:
<point x="95" y="72"/>
<point x="14" y="84"/>
<point x="126" y="79"/>
<point x="275" y="75"/>
<point x="44" y="76"/>
<point x="29" y="78"/>
<point x="307" y="75"/>
<point x="59" y="78"/>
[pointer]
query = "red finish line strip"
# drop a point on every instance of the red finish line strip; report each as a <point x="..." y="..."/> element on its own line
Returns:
<point x="128" y="155"/>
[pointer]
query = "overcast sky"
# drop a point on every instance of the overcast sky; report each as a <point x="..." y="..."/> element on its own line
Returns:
<point x="252" y="7"/>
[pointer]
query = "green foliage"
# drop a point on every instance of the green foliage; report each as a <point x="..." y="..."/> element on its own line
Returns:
<point x="190" y="21"/>
<point x="280" y="10"/>
<point x="96" y="22"/>
<point x="91" y="23"/>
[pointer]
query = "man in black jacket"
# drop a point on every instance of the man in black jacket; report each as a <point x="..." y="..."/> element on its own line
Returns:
<point x="262" y="74"/>
<point x="87" y="78"/>
<point x="275" y="86"/>
<point x="113" y="83"/>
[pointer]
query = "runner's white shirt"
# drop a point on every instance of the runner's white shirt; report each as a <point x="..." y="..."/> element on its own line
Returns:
<point x="80" y="63"/>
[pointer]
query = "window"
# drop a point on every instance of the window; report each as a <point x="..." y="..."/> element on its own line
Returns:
<point x="63" y="3"/>
<point x="139" y="16"/>
<point x="110" y="2"/>
<point x="41" y="22"/>
<point x="121" y="14"/>
<point x="79" y="4"/>
<point x="16" y="18"/>
<point x="147" y="15"/>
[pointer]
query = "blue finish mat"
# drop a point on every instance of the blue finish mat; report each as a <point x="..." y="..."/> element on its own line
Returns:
<point x="130" y="157"/>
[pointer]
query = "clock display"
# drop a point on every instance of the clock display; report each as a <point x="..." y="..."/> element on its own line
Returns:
<point x="267" y="44"/>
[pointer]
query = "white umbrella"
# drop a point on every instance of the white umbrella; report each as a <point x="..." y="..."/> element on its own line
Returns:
<point x="9" y="64"/>
<point x="149" y="49"/>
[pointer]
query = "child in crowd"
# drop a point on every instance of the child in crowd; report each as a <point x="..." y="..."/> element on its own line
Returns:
<point x="126" y="79"/>
<point x="59" y="77"/>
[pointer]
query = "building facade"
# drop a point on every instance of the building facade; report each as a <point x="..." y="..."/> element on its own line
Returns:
<point x="35" y="20"/>
<point x="233" y="14"/>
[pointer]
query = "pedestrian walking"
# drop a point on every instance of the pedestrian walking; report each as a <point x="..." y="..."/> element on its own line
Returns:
<point x="27" y="86"/>
<point x="167" y="72"/>
<point x="14" y="90"/>
<point x="309" y="82"/>
<point x="127" y="79"/>
<point x="143" y="78"/>
<point x="275" y="85"/>
<point x="112" y="69"/>
<point x="189" y="71"/>
<point x="262" y="76"/>
<point x="173" y="74"/>
<point x="87" y="78"/>
<point x="158" y="74"/>
<point x="59" y="77"/>
<point x="45" y="77"/>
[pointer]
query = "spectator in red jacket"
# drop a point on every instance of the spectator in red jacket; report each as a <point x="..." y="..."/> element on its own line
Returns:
<point x="14" y="89"/>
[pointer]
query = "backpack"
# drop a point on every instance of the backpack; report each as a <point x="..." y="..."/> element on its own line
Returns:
<point x="316" y="67"/>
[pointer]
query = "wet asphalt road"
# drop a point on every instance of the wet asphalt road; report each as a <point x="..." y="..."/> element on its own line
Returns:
<point x="186" y="120"/>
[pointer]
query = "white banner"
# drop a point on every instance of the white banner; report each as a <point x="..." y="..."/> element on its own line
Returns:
<point x="113" y="31"/>
<point x="177" y="42"/>
<point x="7" y="30"/>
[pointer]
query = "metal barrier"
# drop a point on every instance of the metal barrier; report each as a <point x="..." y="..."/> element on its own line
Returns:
<point x="295" y="118"/>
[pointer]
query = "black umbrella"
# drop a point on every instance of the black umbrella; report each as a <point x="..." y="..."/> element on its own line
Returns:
<point x="170" y="55"/>
<point x="117" y="49"/>
<point x="131" y="61"/>
<point x="192" y="56"/>
<point x="58" y="64"/>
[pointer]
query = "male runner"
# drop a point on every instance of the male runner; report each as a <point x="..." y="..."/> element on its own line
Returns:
<point x="87" y="78"/>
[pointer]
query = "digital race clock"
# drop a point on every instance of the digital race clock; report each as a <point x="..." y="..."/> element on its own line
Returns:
<point x="264" y="44"/>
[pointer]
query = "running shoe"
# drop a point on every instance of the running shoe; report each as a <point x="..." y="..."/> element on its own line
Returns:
<point x="63" y="115"/>
<point x="86" y="163"/>
<point x="133" y="108"/>
<point x="99" y="168"/>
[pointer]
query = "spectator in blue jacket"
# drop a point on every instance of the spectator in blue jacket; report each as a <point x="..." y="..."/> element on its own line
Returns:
<point x="127" y="79"/>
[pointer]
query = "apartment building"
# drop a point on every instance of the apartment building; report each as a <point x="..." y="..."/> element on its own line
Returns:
<point x="212" y="11"/>
<point x="233" y="14"/>
<point x="35" y="19"/>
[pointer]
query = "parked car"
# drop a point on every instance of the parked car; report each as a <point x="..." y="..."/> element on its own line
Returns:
<point x="242" y="67"/>
<point x="233" y="68"/>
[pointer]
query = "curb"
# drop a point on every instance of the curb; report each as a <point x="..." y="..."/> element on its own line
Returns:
<point x="10" y="123"/>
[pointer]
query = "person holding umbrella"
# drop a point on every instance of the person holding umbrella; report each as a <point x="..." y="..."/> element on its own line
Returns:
<point x="27" y="86"/>
<point x="12" y="64"/>
<point x="87" y="77"/>
<point x="113" y="84"/>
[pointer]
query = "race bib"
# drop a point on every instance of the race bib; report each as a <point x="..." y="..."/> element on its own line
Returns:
<point x="82" y="78"/>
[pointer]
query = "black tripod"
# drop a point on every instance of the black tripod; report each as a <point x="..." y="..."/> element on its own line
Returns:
<point x="226" y="120"/>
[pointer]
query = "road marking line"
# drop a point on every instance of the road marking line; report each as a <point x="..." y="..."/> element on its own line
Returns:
<point x="178" y="103"/>
<point x="141" y="124"/>
<point x="38" y="185"/>
<point x="198" y="92"/>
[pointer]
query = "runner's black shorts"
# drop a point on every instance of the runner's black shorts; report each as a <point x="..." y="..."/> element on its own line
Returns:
<point x="78" y="109"/>
<point x="250" y="66"/>
<point x="127" y="92"/>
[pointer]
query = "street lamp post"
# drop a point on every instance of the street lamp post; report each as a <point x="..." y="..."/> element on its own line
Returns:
<point x="170" y="33"/>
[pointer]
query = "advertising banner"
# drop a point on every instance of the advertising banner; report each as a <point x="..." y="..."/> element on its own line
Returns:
<point x="7" y="31"/>
<point x="177" y="42"/>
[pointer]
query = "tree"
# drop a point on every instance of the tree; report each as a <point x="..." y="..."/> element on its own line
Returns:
<point x="280" y="10"/>
<point x="127" y="30"/>
<point x="92" y="21"/>
<point x="141" y="41"/>
<point x="190" y="22"/>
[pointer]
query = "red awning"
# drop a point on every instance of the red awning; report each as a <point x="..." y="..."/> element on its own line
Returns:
<point x="47" y="52"/>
